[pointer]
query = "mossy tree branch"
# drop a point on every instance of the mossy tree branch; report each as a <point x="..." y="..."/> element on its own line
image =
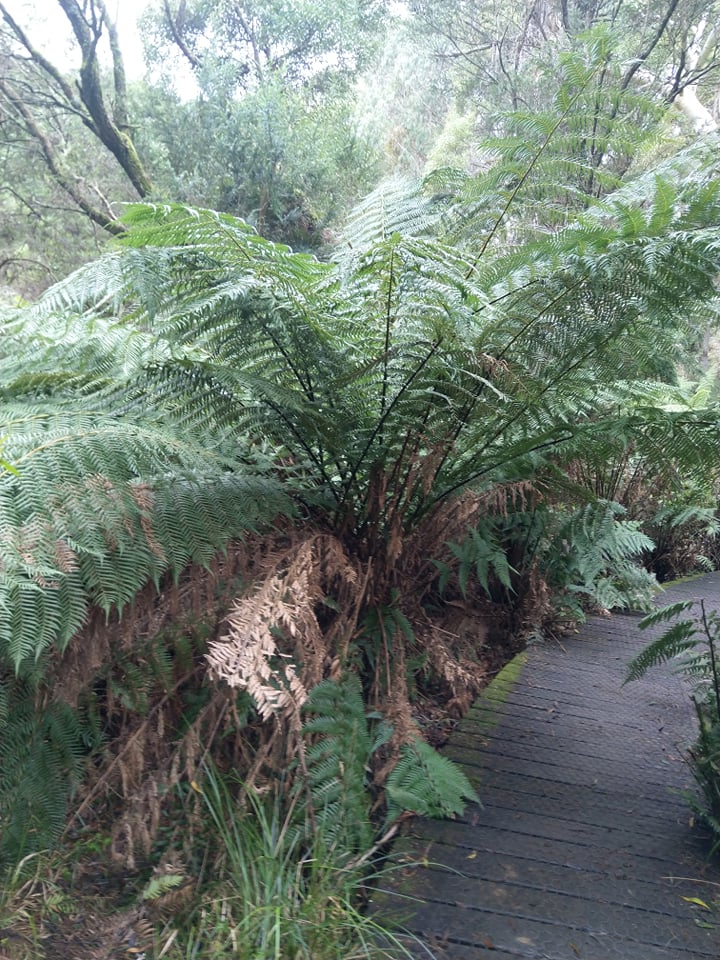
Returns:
<point x="106" y="117"/>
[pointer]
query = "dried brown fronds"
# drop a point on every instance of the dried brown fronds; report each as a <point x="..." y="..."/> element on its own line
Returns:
<point x="298" y="599"/>
<point x="275" y="646"/>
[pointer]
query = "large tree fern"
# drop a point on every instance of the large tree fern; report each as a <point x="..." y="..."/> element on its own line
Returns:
<point x="200" y="381"/>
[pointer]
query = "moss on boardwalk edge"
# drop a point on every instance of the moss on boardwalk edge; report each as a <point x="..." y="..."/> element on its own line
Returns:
<point x="485" y="713"/>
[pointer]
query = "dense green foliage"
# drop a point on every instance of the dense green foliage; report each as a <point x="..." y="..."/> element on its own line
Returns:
<point x="184" y="368"/>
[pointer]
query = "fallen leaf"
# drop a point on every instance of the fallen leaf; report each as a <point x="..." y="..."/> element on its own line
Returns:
<point x="697" y="901"/>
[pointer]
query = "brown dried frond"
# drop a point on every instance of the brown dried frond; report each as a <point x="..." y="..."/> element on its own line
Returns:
<point x="200" y="594"/>
<point x="492" y="365"/>
<point x="502" y="497"/>
<point x="275" y="647"/>
<point x="153" y="755"/>
<point x="457" y="655"/>
<point x="65" y="557"/>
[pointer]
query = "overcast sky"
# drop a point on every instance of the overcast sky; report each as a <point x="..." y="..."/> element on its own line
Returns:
<point x="51" y="32"/>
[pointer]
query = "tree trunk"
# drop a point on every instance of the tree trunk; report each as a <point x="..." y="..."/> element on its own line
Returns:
<point x="88" y="29"/>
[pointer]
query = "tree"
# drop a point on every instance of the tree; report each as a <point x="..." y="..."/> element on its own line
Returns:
<point x="32" y="86"/>
<point x="269" y="135"/>
<point x="287" y="162"/>
<point x="496" y="51"/>
<point x="272" y="132"/>
<point x="243" y="44"/>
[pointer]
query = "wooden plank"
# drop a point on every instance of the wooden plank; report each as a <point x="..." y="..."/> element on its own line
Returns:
<point x="585" y="879"/>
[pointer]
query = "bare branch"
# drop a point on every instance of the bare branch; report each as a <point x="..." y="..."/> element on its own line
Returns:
<point x="90" y="22"/>
<point x="49" y="68"/>
<point x="640" y="60"/>
<point x="176" y="31"/>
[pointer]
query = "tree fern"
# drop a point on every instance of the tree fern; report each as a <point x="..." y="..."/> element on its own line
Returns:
<point x="265" y="348"/>
<point x="252" y="344"/>
<point x="212" y="380"/>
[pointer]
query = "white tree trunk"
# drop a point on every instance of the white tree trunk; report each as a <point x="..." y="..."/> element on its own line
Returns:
<point x="697" y="113"/>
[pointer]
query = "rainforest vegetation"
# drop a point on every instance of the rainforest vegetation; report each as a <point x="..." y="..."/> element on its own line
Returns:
<point x="348" y="346"/>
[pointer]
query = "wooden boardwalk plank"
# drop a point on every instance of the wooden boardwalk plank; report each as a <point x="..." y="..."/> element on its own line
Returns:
<point x="583" y="848"/>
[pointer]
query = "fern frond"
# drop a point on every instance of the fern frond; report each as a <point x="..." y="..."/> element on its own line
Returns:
<point x="679" y="639"/>
<point x="668" y="612"/>
<point x="428" y="784"/>
<point x="337" y="759"/>
<point x="98" y="507"/>
<point x="399" y="205"/>
<point x="43" y="750"/>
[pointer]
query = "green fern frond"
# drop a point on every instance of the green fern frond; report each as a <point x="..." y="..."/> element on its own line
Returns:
<point x="337" y="759"/>
<point x="158" y="886"/>
<point x="666" y="613"/>
<point x="399" y="205"/>
<point x="99" y="507"/>
<point x="43" y="751"/>
<point x="428" y="784"/>
<point x="678" y="640"/>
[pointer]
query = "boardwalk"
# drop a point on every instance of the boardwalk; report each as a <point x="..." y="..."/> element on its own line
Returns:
<point x="579" y="846"/>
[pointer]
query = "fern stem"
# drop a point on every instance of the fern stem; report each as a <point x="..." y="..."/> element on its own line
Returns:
<point x="306" y="388"/>
<point x="521" y="182"/>
<point x="713" y="660"/>
<point x="477" y="393"/>
<point x="515" y="417"/>
<point x="596" y="155"/>
<point x="388" y="323"/>
<point x="404" y="483"/>
<point x="382" y="420"/>
<point x="307" y="448"/>
<point x="403" y="457"/>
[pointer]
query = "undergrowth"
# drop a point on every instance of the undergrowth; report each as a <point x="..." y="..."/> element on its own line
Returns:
<point x="285" y="890"/>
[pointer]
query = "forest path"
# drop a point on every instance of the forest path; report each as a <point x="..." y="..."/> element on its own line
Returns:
<point x="581" y="844"/>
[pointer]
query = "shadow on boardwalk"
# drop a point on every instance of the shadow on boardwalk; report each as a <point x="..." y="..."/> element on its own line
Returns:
<point x="582" y="848"/>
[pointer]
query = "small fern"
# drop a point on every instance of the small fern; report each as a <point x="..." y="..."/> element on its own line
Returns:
<point x="593" y="553"/>
<point x="480" y="554"/>
<point x="337" y="758"/>
<point x="677" y="640"/>
<point x="428" y="784"/>
<point x="158" y="886"/>
<point x="338" y="761"/>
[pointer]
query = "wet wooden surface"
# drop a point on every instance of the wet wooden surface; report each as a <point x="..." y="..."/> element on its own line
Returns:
<point x="583" y="848"/>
